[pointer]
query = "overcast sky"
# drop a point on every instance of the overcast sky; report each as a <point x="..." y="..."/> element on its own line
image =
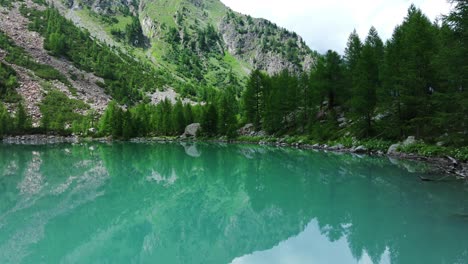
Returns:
<point x="326" y="24"/>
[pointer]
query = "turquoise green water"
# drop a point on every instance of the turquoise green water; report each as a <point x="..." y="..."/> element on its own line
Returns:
<point x="210" y="203"/>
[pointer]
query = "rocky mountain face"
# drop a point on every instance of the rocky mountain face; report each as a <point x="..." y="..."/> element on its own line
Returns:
<point x="263" y="45"/>
<point x="255" y="43"/>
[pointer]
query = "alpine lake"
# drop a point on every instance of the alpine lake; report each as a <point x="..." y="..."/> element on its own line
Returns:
<point x="223" y="203"/>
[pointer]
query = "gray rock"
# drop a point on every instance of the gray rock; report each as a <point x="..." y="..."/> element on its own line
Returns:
<point x="393" y="149"/>
<point x="246" y="130"/>
<point x="192" y="130"/>
<point x="409" y="141"/>
<point x="337" y="147"/>
<point x="360" y="149"/>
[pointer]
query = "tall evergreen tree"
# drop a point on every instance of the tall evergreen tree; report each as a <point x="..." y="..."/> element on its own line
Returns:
<point x="210" y="121"/>
<point x="22" y="119"/>
<point x="410" y="73"/>
<point x="367" y="81"/>
<point x="351" y="58"/>
<point x="253" y="97"/>
<point x="5" y="121"/>
<point x="227" y="121"/>
<point x="178" y="118"/>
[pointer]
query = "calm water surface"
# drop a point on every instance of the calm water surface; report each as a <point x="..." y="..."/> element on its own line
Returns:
<point x="211" y="203"/>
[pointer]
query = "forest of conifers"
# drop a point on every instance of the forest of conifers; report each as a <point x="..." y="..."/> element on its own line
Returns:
<point x="413" y="84"/>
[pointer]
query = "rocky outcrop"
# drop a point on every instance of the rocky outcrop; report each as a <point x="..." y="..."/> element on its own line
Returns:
<point x="262" y="44"/>
<point x="192" y="130"/>
<point x="106" y="7"/>
<point x="246" y="130"/>
<point x="393" y="149"/>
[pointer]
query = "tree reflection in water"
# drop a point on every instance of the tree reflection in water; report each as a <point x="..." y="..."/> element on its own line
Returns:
<point x="210" y="203"/>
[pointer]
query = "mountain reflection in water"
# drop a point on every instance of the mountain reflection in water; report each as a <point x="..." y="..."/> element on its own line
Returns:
<point x="217" y="203"/>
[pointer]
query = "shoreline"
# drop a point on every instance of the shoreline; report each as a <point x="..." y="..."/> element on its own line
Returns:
<point x="446" y="165"/>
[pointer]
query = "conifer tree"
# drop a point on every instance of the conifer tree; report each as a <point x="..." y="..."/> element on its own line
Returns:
<point x="210" y="121"/>
<point x="253" y="98"/>
<point x="22" y="119"/>
<point x="367" y="81"/>
<point x="178" y="118"/>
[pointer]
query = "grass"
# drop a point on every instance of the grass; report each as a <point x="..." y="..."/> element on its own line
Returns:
<point x="427" y="150"/>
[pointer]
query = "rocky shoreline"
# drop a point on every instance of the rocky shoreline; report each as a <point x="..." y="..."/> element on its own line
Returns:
<point x="446" y="164"/>
<point x="39" y="140"/>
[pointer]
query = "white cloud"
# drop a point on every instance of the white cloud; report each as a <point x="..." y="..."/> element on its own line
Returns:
<point x="327" y="24"/>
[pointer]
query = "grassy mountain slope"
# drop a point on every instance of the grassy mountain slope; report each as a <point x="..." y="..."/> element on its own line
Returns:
<point x="200" y="42"/>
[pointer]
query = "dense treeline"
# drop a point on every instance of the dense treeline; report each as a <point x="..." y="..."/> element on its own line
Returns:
<point x="415" y="84"/>
<point x="166" y="119"/>
<point x="18" y="123"/>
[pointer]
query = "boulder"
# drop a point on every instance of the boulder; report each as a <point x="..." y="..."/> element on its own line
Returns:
<point x="337" y="147"/>
<point x="192" y="130"/>
<point x="360" y="149"/>
<point x="393" y="149"/>
<point x="246" y="130"/>
<point x="409" y="141"/>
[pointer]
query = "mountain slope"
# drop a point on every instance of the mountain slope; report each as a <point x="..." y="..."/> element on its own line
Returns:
<point x="129" y="49"/>
<point x="234" y="42"/>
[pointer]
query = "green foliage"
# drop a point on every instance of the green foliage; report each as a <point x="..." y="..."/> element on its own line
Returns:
<point x="409" y="74"/>
<point x="134" y="34"/>
<point x="164" y="119"/>
<point x="366" y="82"/>
<point x="17" y="55"/>
<point x="58" y="111"/>
<point x="435" y="151"/>
<point x="6" y="121"/>
<point x="125" y="79"/>
<point x="227" y="112"/>
<point x="8" y="83"/>
<point x="22" y="121"/>
<point x="375" y="144"/>
<point x="253" y="97"/>
<point x="178" y="118"/>
<point x="6" y="3"/>
<point x="210" y="121"/>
